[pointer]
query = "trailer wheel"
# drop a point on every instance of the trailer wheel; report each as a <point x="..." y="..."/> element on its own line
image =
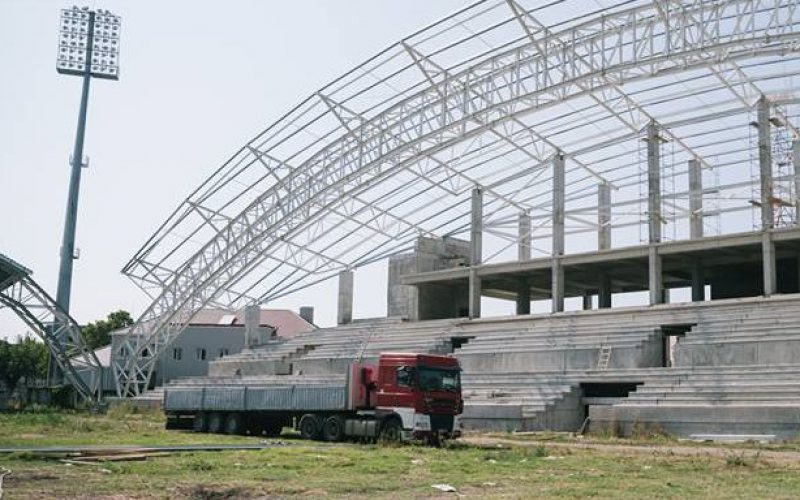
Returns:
<point x="391" y="430"/>
<point x="215" y="422"/>
<point x="310" y="426"/>
<point x="233" y="424"/>
<point x="200" y="423"/>
<point x="333" y="429"/>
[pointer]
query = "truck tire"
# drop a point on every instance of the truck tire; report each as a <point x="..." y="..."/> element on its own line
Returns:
<point x="391" y="430"/>
<point x="309" y="426"/>
<point x="333" y="429"/>
<point x="233" y="424"/>
<point x="200" y="423"/>
<point x="215" y="422"/>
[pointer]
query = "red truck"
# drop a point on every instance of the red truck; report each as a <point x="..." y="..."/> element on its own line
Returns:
<point x="402" y="397"/>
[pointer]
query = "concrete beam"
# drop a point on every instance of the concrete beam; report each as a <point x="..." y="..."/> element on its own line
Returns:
<point x="557" y="293"/>
<point x="765" y="163"/>
<point x="654" y="183"/>
<point x="695" y="199"/>
<point x="345" y="307"/>
<point x="476" y="253"/>
<point x="524" y="243"/>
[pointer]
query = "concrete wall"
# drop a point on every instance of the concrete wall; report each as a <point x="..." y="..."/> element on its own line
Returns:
<point x="434" y="302"/>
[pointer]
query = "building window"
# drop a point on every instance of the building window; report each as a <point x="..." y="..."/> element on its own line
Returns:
<point x="177" y="353"/>
<point x="223" y="352"/>
<point x="201" y="353"/>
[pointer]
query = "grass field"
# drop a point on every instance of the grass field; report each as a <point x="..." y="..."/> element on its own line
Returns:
<point x="494" y="465"/>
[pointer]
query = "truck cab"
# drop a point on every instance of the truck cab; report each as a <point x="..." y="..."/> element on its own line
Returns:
<point x="421" y="392"/>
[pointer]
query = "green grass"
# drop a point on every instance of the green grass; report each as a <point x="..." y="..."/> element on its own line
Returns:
<point x="363" y="471"/>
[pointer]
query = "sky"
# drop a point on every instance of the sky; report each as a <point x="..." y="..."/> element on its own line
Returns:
<point x="198" y="79"/>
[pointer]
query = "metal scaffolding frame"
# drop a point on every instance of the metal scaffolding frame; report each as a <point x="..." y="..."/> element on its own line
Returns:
<point x="485" y="97"/>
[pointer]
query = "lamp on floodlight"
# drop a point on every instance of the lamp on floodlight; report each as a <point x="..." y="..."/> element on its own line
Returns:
<point x="88" y="47"/>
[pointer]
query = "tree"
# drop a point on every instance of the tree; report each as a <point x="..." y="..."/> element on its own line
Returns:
<point x="98" y="334"/>
<point x="27" y="358"/>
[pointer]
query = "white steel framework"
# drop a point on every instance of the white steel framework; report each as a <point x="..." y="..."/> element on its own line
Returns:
<point x="485" y="97"/>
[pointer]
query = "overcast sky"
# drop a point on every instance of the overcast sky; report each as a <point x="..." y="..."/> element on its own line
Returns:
<point x="198" y="79"/>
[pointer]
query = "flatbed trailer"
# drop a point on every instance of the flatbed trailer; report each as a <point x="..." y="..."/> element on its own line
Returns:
<point x="402" y="397"/>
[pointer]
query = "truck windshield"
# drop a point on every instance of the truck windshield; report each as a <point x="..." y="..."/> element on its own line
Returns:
<point x="438" y="379"/>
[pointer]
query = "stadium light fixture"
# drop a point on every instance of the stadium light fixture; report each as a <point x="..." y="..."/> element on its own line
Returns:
<point x="88" y="47"/>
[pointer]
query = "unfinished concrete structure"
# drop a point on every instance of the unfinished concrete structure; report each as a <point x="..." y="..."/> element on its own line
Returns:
<point x="552" y="155"/>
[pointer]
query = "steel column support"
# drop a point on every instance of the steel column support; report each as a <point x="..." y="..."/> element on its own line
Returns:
<point x="345" y="306"/>
<point x="603" y="216"/>
<point x="696" y="226"/>
<point x="524" y="243"/>
<point x="655" y="278"/>
<point x="557" y="292"/>
<point x="476" y="253"/>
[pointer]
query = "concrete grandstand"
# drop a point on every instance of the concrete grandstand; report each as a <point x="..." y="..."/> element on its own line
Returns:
<point x="631" y="165"/>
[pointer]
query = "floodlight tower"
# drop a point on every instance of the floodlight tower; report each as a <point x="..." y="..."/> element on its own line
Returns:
<point x="88" y="47"/>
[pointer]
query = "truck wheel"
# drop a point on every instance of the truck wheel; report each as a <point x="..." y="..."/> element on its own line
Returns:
<point x="215" y="422"/>
<point x="309" y="426"/>
<point x="391" y="430"/>
<point x="333" y="429"/>
<point x="200" y="423"/>
<point x="233" y="424"/>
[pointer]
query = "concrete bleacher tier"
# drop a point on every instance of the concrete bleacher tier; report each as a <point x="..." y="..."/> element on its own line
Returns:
<point x="734" y="365"/>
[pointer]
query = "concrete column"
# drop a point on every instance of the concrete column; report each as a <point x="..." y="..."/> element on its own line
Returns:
<point x="476" y="253"/>
<point x="603" y="216"/>
<point x="698" y="282"/>
<point x="655" y="279"/>
<point x="696" y="226"/>
<point x="524" y="298"/>
<point x="765" y="163"/>
<point x="252" y="323"/>
<point x="557" y="290"/>
<point x="768" y="258"/>
<point x="604" y="291"/>
<point x="524" y="243"/>
<point x="345" y="307"/>
<point x="796" y="163"/>
<point x="767" y="214"/>
<point x="695" y="199"/>
<point x="654" y="276"/>
<point x="587" y="301"/>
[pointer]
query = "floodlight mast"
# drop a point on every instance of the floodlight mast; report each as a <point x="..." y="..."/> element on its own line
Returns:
<point x="88" y="47"/>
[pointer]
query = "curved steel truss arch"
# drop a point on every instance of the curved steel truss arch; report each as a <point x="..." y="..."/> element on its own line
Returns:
<point x="351" y="176"/>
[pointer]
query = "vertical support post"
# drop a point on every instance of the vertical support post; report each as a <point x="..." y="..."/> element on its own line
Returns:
<point x="345" y="310"/>
<point x="604" y="291"/>
<point x="476" y="253"/>
<point x="655" y="278"/>
<point x="252" y="324"/>
<point x="696" y="226"/>
<point x="67" y="251"/>
<point x="557" y="289"/>
<point x="524" y="243"/>
<point x="796" y="164"/>
<point x="767" y="215"/>
<point x="524" y="298"/>
<point x="603" y="216"/>
<point x="587" y="301"/>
